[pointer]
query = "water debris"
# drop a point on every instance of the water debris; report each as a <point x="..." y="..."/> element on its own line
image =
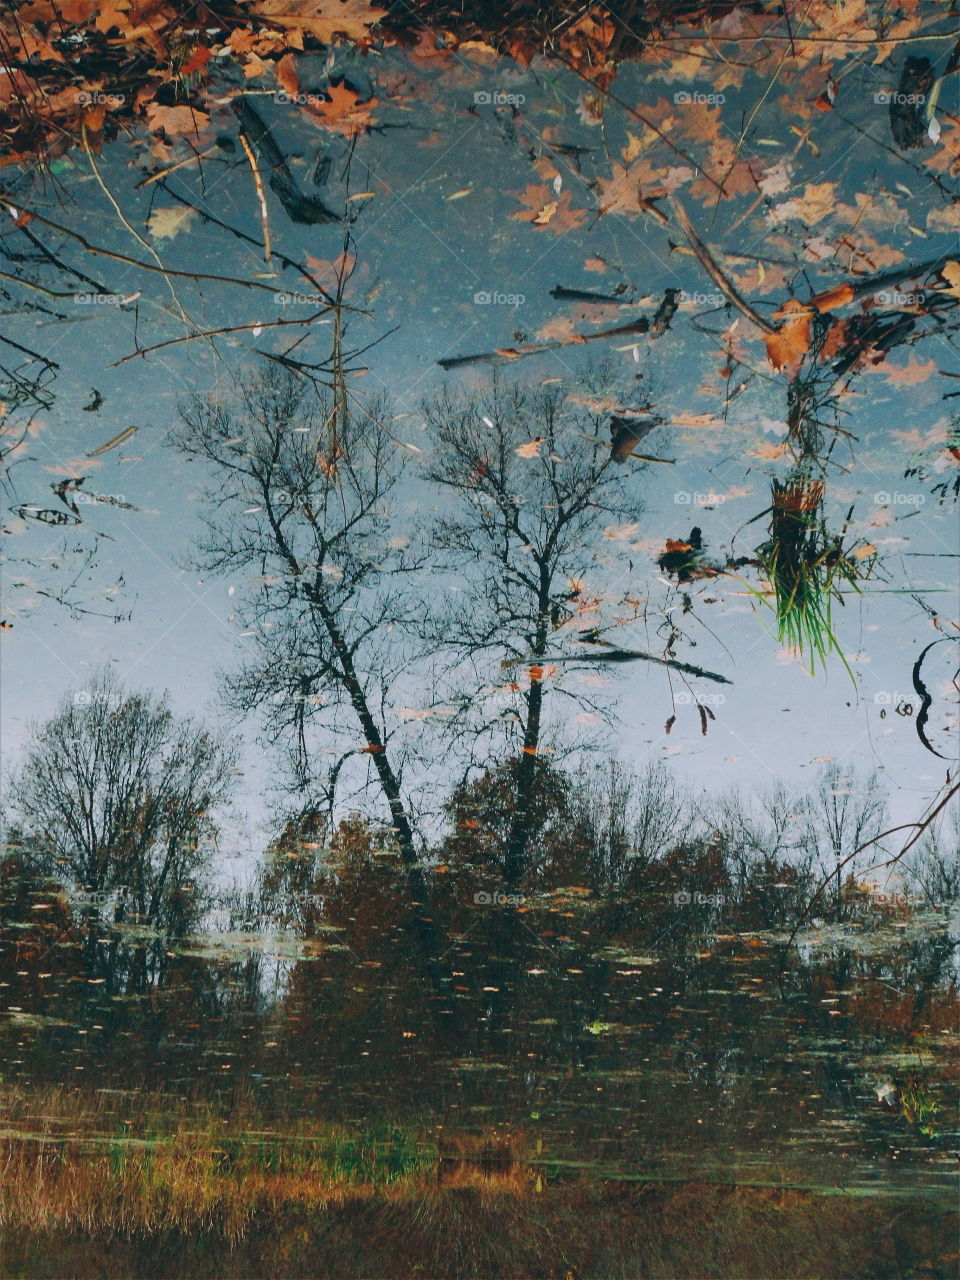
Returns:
<point x="114" y="443"/>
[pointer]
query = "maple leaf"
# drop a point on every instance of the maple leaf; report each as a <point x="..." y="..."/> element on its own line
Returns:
<point x="776" y="179"/>
<point x="322" y="19"/>
<point x="164" y="224"/>
<point x="790" y="343"/>
<point x="71" y="13"/>
<point x="835" y="341"/>
<point x="629" y="188"/>
<point x="768" y="452"/>
<point x="531" y="449"/>
<point x="559" y="329"/>
<point x="329" y="270"/>
<point x="818" y="200"/>
<point x="911" y="373"/>
<point x="175" y="121"/>
<point x="344" y="113"/>
<point x="197" y="60"/>
<point x="560" y="218"/>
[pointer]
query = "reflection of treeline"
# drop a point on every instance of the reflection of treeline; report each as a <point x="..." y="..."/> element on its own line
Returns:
<point x="639" y="903"/>
<point x="111" y="852"/>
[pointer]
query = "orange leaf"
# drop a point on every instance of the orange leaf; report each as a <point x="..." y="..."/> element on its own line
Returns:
<point x="833" y="298"/>
<point x="345" y="112"/>
<point x="791" y="342"/>
<point x="531" y="449"/>
<point x="322" y="19"/>
<point x="197" y="60"/>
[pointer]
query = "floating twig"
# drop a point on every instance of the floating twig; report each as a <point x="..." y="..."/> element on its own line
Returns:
<point x="256" y="326"/>
<point x="112" y="444"/>
<point x="504" y="355"/>
<point x="714" y="271"/>
<point x="261" y="195"/>
<point x="172" y="168"/>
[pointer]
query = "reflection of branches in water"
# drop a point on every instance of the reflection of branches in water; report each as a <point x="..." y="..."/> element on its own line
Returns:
<point x="947" y="794"/>
<point x="65" y="595"/>
<point x="20" y="392"/>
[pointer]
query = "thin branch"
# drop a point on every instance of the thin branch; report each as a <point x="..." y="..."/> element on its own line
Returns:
<point x="215" y="333"/>
<point x="261" y="195"/>
<point x="713" y="270"/>
<point x="509" y="354"/>
<point x="917" y="828"/>
<point x="99" y="251"/>
<point x="172" y="168"/>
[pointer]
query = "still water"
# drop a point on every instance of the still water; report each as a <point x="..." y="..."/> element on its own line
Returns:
<point x="480" y="690"/>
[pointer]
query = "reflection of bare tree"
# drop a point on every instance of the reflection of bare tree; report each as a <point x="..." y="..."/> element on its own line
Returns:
<point x="114" y="797"/>
<point x="530" y="502"/>
<point x="301" y="504"/>
<point x="846" y="813"/>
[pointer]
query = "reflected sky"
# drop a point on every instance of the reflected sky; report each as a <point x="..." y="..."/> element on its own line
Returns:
<point x="433" y="194"/>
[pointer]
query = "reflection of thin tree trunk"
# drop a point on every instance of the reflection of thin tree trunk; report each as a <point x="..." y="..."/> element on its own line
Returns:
<point x="516" y="851"/>
<point x="375" y="747"/>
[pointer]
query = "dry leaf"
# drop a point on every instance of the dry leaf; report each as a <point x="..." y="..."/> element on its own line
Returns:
<point x="322" y="19"/>
<point x="175" y="121"/>
<point x="531" y="449"/>
<point x="345" y="112"/>
<point x="164" y="224"/>
<point x="817" y="201"/>
<point x="912" y="372"/>
<point x="791" y="342"/>
<point x="951" y="273"/>
<point x="947" y="219"/>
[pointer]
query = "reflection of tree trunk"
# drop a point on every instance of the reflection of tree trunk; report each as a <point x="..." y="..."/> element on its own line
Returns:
<point x="516" y="852"/>
<point x="358" y="700"/>
<point x="348" y="677"/>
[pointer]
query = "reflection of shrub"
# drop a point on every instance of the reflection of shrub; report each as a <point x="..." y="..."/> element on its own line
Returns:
<point x="919" y="1106"/>
<point x="769" y="892"/>
<point x="806" y="567"/>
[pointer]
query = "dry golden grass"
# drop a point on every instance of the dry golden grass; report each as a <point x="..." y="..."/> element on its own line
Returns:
<point x="117" y="1186"/>
<point x="105" y="1163"/>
